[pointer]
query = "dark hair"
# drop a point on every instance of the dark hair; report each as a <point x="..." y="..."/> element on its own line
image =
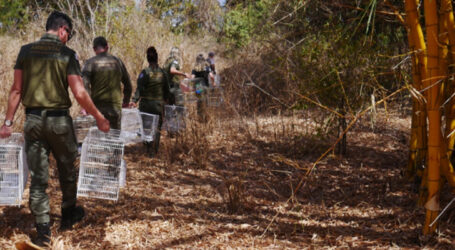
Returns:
<point x="211" y="54"/>
<point x="152" y="55"/>
<point x="99" y="42"/>
<point x="58" y="19"/>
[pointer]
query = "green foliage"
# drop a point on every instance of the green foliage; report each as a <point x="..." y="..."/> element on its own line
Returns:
<point x="245" y="21"/>
<point x="13" y="14"/>
<point x="337" y="53"/>
<point x="187" y="16"/>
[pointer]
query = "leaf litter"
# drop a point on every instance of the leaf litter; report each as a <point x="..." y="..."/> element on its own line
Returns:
<point x="236" y="191"/>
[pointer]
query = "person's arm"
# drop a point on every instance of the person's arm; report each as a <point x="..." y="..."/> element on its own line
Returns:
<point x="175" y="71"/>
<point x="13" y="103"/>
<point x="127" y="86"/>
<point x="86" y="74"/>
<point x="166" y="91"/>
<point x="140" y="85"/>
<point x="83" y="98"/>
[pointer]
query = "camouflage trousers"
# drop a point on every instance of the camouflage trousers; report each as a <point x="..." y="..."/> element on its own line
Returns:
<point x="112" y="114"/>
<point x="177" y="97"/>
<point x="156" y="108"/>
<point x="45" y="134"/>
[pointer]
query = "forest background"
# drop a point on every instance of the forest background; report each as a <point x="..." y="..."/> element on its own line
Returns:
<point x="295" y="74"/>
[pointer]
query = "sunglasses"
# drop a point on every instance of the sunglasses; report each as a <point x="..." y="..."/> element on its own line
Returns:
<point x="70" y="33"/>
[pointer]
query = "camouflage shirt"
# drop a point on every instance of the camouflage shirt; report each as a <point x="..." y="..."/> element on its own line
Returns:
<point x="173" y="80"/>
<point x="152" y="84"/>
<point x="45" y="65"/>
<point x="102" y="75"/>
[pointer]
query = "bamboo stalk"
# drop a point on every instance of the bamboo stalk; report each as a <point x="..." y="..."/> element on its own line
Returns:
<point x="418" y="123"/>
<point x="434" y="115"/>
<point x="447" y="168"/>
<point x="418" y="146"/>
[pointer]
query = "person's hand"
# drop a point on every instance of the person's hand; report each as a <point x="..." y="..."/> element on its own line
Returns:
<point x="83" y="112"/>
<point x="132" y="105"/>
<point x="188" y="75"/>
<point x="103" y="124"/>
<point x="125" y="105"/>
<point x="5" y="131"/>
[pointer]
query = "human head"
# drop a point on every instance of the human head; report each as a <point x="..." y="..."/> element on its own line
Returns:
<point x="100" y="44"/>
<point x="61" y="25"/>
<point x="200" y="63"/>
<point x="152" y="55"/>
<point x="211" y="54"/>
<point x="200" y="58"/>
<point x="175" y="52"/>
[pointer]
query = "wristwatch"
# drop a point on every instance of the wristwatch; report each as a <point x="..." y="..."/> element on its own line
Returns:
<point x="8" y="123"/>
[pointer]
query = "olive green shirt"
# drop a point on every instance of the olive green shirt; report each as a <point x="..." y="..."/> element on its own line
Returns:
<point x="152" y="84"/>
<point x="102" y="76"/>
<point x="45" y="65"/>
<point x="173" y="80"/>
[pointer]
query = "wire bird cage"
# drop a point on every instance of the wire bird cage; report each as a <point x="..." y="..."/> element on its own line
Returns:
<point x="216" y="81"/>
<point x="131" y="126"/>
<point x="190" y="98"/>
<point x="102" y="169"/>
<point x="13" y="170"/>
<point x="149" y="126"/>
<point x="82" y="124"/>
<point x="174" y="118"/>
<point x="214" y="99"/>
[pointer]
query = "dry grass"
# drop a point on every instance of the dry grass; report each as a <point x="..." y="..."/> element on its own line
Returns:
<point x="236" y="194"/>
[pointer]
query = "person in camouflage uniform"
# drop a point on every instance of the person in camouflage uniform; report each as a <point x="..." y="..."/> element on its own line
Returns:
<point x="152" y="91"/>
<point x="172" y="66"/>
<point x="200" y="74"/>
<point x="43" y="71"/>
<point x="102" y="75"/>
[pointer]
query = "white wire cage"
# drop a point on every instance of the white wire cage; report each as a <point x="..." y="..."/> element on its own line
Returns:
<point x="131" y="126"/>
<point x="13" y="170"/>
<point x="149" y="126"/>
<point x="190" y="98"/>
<point x="102" y="170"/>
<point x="174" y="118"/>
<point x="82" y="124"/>
<point x="215" y="97"/>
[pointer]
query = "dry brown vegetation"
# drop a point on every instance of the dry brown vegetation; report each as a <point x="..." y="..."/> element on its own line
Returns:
<point x="234" y="191"/>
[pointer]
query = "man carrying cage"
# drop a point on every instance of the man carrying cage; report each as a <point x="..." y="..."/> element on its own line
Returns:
<point x="43" y="71"/>
<point x="102" y="76"/>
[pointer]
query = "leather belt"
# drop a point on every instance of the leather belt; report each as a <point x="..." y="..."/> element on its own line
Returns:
<point x="49" y="112"/>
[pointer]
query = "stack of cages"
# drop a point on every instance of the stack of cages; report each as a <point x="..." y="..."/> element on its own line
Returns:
<point x="82" y="124"/>
<point x="13" y="170"/>
<point x="149" y="126"/>
<point x="131" y="126"/>
<point x="102" y="170"/>
<point x="174" y="118"/>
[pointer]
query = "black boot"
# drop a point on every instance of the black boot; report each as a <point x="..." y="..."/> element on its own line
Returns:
<point x="70" y="216"/>
<point x="43" y="234"/>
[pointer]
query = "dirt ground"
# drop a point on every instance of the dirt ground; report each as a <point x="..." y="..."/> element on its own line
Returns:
<point x="229" y="183"/>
